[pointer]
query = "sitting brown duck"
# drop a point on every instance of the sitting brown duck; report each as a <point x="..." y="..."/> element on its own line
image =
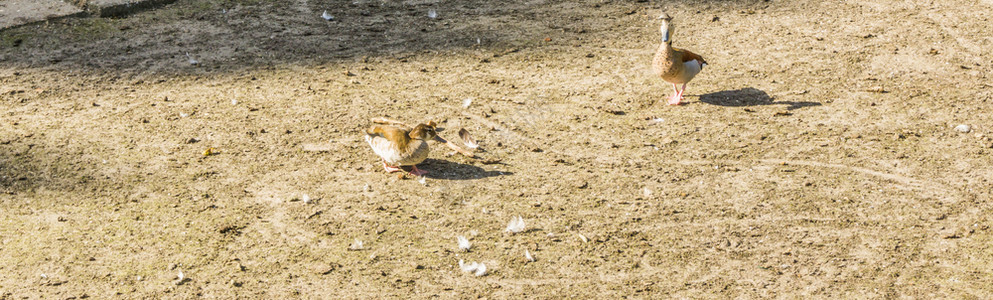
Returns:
<point x="401" y="147"/>
<point x="677" y="66"/>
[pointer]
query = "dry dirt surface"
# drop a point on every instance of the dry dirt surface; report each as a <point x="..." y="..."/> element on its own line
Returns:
<point x="816" y="156"/>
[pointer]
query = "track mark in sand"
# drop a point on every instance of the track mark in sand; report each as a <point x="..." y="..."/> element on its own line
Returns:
<point x="291" y="232"/>
<point x="515" y="137"/>
<point x="279" y="222"/>
<point x="964" y="42"/>
<point x="905" y="181"/>
<point x="634" y="52"/>
<point x="936" y="189"/>
<point x="489" y="123"/>
<point x="628" y="86"/>
<point x="972" y="49"/>
<point x="648" y="271"/>
<point x="908" y="181"/>
<point x="331" y="144"/>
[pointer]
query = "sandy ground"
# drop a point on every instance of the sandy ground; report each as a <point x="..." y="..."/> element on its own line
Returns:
<point x="19" y="12"/>
<point x="815" y="156"/>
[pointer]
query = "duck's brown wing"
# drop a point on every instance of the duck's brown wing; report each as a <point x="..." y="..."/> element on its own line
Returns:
<point x="391" y="133"/>
<point x="689" y="55"/>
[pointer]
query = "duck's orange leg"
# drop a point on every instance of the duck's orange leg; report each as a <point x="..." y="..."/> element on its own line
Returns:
<point x="676" y="96"/>
<point x="391" y="169"/>
<point x="681" y="90"/>
<point x="417" y="172"/>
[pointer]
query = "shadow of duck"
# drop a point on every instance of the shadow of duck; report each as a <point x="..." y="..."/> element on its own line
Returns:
<point x="443" y="169"/>
<point x="749" y="97"/>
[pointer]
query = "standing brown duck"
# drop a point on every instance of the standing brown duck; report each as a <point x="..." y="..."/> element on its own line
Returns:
<point x="401" y="147"/>
<point x="676" y="66"/>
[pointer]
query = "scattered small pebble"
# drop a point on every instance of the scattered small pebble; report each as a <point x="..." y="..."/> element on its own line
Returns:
<point x="466" y="102"/>
<point x="527" y="255"/>
<point x="516" y="225"/>
<point x="464" y="244"/>
<point x="963" y="128"/>
<point x="181" y="278"/>
<point x="356" y="246"/>
<point x="477" y="268"/>
<point x="481" y="270"/>
<point x="192" y="60"/>
<point x="306" y="198"/>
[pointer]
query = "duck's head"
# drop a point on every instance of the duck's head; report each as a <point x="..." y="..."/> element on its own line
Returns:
<point x="424" y="131"/>
<point x="666" y="28"/>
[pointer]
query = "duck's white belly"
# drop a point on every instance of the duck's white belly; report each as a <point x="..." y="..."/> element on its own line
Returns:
<point x="690" y="69"/>
<point x="394" y="156"/>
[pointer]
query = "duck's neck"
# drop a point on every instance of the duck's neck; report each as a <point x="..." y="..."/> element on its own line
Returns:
<point x="665" y="50"/>
<point x="666" y="45"/>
